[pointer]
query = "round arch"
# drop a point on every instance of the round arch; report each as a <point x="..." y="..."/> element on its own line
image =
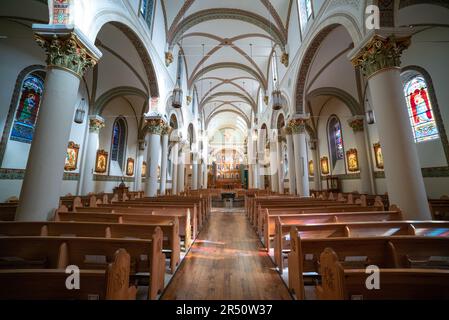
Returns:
<point x="125" y="25"/>
<point x="352" y="104"/>
<point x="313" y="45"/>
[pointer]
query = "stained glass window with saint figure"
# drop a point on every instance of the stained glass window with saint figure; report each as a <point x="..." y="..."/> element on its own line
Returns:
<point x="28" y="109"/>
<point x="420" y="110"/>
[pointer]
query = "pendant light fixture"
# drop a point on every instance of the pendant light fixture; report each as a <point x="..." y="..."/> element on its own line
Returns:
<point x="80" y="112"/>
<point x="177" y="91"/>
<point x="276" y="95"/>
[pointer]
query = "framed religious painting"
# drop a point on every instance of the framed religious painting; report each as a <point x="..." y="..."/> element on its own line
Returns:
<point x="311" y="169"/>
<point x="353" y="160"/>
<point x="324" y="165"/>
<point x="130" y="167"/>
<point x="71" y="159"/>
<point x="101" y="161"/>
<point x="144" y="169"/>
<point x="378" y="156"/>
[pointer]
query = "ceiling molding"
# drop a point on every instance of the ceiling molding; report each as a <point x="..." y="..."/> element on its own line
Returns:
<point x="231" y="94"/>
<point x="144" y="56"/>
<point x="275" y="16"/>
<point x="228" y="65"/>
<point x="176" y="33"/>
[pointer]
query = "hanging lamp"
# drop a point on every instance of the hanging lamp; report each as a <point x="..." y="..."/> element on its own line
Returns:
<point x="80" y="112"/>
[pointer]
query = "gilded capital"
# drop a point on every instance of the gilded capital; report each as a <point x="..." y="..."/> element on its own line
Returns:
<point x="96" y="123"/>
<point x="298" y="124"/>
<point x="166" y="129"/>
<point x="357" y="123"/>
<point x="66" y="50"/>
<point x="381" y="53"/>
<point x="168" y="58"/>
<point x="285" y="59"/>
<point x="155" y="126"/>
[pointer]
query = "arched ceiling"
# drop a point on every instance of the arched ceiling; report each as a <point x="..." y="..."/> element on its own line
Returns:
<point x="227" y="45"/>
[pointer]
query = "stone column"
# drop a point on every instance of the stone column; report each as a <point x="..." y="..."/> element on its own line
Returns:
<point x="291" y="160"/>
<point x="140" y="160"/>
<point x="379" y="58"/>
<point x="155" y="127"/>
<point x="205" y="175"/>
<point x="96" y="123"/>
<point x="200" y="174"/>
<point x="313" y="144"/>
<point x="255" y="176"/>
<point x="249" y="155"/>
<point x="298" y="127"/>
<point x="166" y="130"/>
<point x="280" y="162"/>
<point x="194" y="183"/>
<point x="181" y="166"/>
<point x="357" y="124"/>
<point x="69" y="55"/>
<point x="174" y="178"/>
<point x="274" y="165"/>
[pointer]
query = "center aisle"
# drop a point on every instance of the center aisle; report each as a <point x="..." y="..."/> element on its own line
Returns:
<point x="227" y="262"/>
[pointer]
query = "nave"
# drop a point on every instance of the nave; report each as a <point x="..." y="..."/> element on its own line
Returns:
<point x="227" y="262"/>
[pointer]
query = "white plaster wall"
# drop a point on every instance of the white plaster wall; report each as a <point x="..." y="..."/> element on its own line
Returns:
<point x="429" y="52"/>
<point x="119" y="107"/>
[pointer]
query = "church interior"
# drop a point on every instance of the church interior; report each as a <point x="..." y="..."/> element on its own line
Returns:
<point x="224" y="150"/>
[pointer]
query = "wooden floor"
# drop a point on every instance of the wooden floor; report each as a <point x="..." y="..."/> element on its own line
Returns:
<point x="227" y="262"/>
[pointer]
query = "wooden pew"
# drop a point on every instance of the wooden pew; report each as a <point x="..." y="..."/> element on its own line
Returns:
<point x="8" y="211"/>
<point x="352" y="230"/>
<point x="269" y="227"/>
<point x="150" y="207"/>
<point x="384" y="252"/>
<point x="72" y="202"/>
<point x="339" y="283"/>
<point x="121" y="214"/>
<point x="170" y="230"/>
<point x="439" y="209"/>
<point x="50" y="284"/>
<point x="86" y="253"/>
<point x="260" y="209"/>
<point x="198" y="205"/>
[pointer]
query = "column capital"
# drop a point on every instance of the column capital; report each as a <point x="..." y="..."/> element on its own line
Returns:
<point x="96" y="123"/>
<point x="298" y="123"/>
<point x="313" y="144"/>
<point x="357" y="123"/>
<point x="66" y="47"/>
<point x="155" y="124"/>
<point x="166" y="130"/>
<point x="287" y="131"/>
<point x="381" y="51"/>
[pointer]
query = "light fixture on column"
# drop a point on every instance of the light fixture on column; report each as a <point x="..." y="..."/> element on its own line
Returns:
<point x="80" y="112"/>
<point x="370" y="119"/>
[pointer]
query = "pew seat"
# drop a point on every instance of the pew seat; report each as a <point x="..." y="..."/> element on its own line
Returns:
<point x="340" y="283"/>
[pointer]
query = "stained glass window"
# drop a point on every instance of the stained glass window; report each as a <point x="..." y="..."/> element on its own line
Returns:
<point x="118" y="141"/>
<point x="335" y="140"/>
<point x="309" y="9"/>
<point x="146" y="10"/>
<point x="28" y="108"/>
<point x="420" y="110"/>
<point x="305" y="12"/>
